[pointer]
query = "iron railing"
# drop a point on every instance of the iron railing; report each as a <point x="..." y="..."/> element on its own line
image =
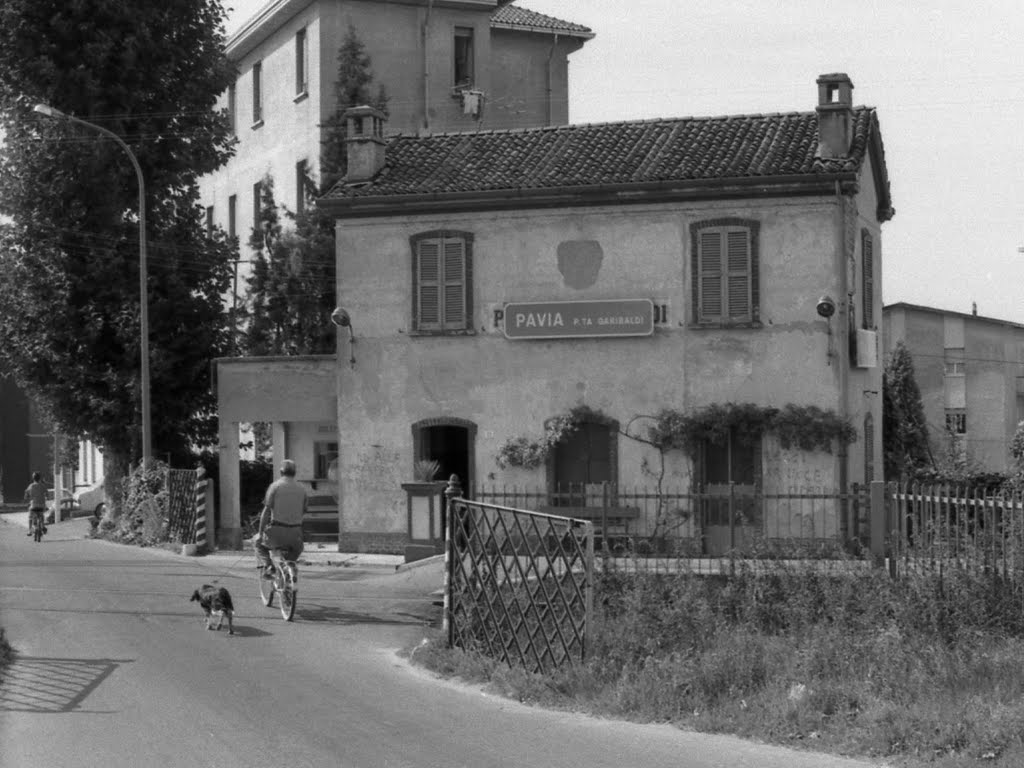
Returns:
<point x="933" y="528"/>
<point x="704" y="522"/>
<point x="518" y="584"/>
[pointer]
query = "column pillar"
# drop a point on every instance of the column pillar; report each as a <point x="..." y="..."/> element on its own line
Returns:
<point x="229" y="533"/>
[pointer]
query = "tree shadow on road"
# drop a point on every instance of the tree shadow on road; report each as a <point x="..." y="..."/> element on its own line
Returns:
<point x="329" y="614"/>
<point x="41" y="684"/>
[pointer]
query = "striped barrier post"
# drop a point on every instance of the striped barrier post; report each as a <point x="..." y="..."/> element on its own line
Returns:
<point x="200" y="509"/>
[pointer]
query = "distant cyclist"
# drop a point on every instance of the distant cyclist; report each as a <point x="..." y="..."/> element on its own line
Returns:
<point x="35" y="495"/>
<point x="280" y="525"/>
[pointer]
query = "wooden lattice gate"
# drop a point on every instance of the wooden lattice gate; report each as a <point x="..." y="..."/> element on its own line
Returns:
<point x="519" y="584"/>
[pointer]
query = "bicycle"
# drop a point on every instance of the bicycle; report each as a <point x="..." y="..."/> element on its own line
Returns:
<point x="37" y="522"/>
<point x="283" y="580"/>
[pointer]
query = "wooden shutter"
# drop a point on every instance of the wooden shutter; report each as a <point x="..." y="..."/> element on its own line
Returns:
<point x="869" y="448"/>
<point x="738" y="274"/>
<point x="710" y="277"/>
<point x="454" y="284"/>
<point x="868" y="254"/>
<point x="428" y="280"/>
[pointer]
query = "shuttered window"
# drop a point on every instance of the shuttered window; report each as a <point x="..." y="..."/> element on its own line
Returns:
<point x="725" y="271"/>
<point x="442" y="281"/>
<point x="868" y="268"/>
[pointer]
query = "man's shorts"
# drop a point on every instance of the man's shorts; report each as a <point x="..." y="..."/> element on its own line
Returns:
<point x="287" y="539"/>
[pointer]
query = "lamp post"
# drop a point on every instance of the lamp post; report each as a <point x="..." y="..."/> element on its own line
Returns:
<point x="147" y="427"/>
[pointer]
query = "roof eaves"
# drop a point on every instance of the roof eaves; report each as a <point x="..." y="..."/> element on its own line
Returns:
<point x="583" y="34"/>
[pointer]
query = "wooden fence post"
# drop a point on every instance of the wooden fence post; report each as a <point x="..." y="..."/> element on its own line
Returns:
<point x="879" y="522"/>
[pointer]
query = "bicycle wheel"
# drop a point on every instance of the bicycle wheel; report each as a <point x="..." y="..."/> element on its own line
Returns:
<point x="288" y="592"/>
<point x="37" y="532"/>
<point x="266" y="588"/>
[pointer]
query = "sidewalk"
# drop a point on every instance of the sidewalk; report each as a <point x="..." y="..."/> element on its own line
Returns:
<point x="314" y="554"/>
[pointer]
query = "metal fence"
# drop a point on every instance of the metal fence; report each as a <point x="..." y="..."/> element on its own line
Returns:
<point x="935" y="528"/>
<point x="518" y="584"/>
<point x="652" y="525"/>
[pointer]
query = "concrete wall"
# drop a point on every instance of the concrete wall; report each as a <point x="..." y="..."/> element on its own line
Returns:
<point x="296" y="394"/>
<point x="510" y="69"/>
<point x="508" y="388"/>
<point x="993" y="359"/>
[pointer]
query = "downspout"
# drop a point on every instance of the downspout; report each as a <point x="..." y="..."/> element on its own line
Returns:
<point x="843" y="358"/>
<point x="551" y="90"/>
<point x="426" y="69"/>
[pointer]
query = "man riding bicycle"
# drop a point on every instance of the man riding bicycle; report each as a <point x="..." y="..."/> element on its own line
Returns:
<point x="35" y="495"/>
<point x="280" y="525"/>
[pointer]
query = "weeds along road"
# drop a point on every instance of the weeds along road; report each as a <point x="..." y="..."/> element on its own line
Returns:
<point x="115" y="668"/>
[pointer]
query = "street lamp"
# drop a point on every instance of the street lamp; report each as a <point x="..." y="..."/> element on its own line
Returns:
<point x="147" y="427"/>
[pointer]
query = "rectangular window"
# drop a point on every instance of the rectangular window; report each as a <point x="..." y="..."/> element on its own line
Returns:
<point x="232" y="216"/>
<point x="300" y="186"/>
<point x="209" y="220"/>
<point x="463" y="57"/>
<point x="868" y="267"/>
<point x="956" y="421"/>
<point x="232" y="113"/>
<point x="442" y="281"/>
<point x="301" y="84"/>
<point x="954" y="361"/>
<point x="257" y="93"/>
<point x="257" y="203"/>
<point x="324" y="454"/>
<point x="725" y="271"/>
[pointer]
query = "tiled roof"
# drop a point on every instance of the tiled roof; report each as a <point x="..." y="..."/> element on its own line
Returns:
<point x="608" y="154"/>
<point x="515" y="16"/>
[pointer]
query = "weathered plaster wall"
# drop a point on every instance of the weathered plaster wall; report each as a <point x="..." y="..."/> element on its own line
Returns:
<point x="508" y="388"/>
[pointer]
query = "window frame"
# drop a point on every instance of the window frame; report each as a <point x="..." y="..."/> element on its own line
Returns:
<point x="257" y="94"/>
<point x="726" y="226"/>
<point x="443" y="327"/>
<point x="301" y="168"/>
<point x="463" y="43"/>
<point x="233" y="108"/>
<point x="232" y="216"/>
<point x="956" y="421"/>
<point x="867" y="252"/>
<point x="301" y="63"/>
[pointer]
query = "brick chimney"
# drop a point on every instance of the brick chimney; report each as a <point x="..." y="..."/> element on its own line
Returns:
<point x="835" y="115"/>
<point x="364" y="142"/>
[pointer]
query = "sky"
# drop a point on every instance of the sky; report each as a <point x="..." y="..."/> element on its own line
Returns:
<point x="946" y="77"/>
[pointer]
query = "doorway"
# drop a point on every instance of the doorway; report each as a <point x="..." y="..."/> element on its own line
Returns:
<point x="730" y="474"/>
<point x="449" y="442"/>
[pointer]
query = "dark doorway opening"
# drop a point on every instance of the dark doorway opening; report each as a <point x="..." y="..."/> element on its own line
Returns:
<point x="451" y="445"/>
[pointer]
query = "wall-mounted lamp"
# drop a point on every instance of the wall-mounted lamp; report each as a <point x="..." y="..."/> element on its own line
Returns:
<point x="825" y="308"/>
<point x="341" y="318"/>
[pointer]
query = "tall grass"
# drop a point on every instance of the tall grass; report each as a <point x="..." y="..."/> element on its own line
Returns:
<point x="928" y="669"/>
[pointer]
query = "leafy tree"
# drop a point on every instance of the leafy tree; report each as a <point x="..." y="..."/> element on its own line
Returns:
<point x="904" y="430"/>
<point x="351" y="89"/>
<point x="150" y="72"/>
<point x="291" y="291"/>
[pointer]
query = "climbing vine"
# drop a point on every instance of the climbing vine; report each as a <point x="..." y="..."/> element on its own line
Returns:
<point x="529" y="454"/>
<point x="806" y="427"/>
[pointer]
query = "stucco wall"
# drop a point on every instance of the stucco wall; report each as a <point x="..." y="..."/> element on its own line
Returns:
<point x="508" y="388"/>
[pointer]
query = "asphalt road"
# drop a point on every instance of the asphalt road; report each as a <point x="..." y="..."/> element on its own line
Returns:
<point x="115" y="668"/>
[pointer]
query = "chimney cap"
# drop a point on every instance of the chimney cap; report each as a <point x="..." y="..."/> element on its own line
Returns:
<point x="835" y="77"/>
<point x="364" y="110"/>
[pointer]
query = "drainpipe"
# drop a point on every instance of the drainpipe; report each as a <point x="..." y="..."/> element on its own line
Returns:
<point x="551" y="90"/>
<point x="843" y="358"/>
<point x="426" y="68"/>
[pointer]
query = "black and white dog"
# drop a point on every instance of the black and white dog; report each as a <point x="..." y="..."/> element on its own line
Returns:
<point x="215" y="600"/>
